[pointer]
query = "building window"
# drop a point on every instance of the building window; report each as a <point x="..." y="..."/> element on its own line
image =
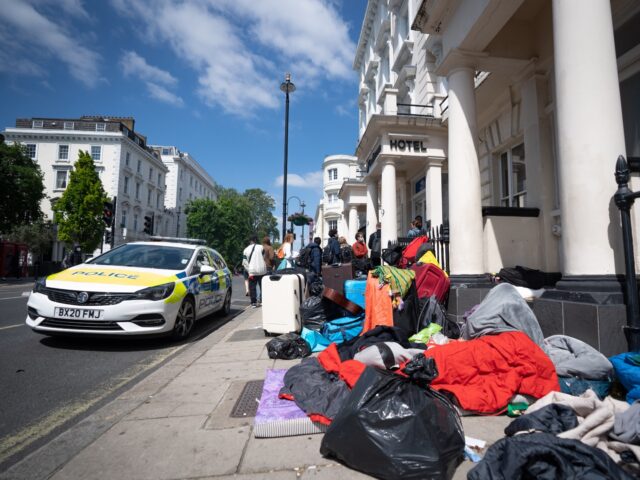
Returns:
<point x="139" y="166"/>
<point x="191" y="180"/>
<point x="181" y="174"/>
<point x="180" y="193"/>
<point x="149" y="196"/>
<point x="127" y="159"/>
<point x="61" y="179"/>
<point x="333" y="224"/>
<point x="37" y="124"/>
<point x="123" y="219"/>
<point x="68" y="125"/>
<point x="101" y="127"/>
<point x="150" y="173"/>
<point x="158" y="200"/>
<point x="513" y="177"/>
<point x="137" y="191"/>
<point x="332" y="198"/>
<point x="159" y="179"/>
<point x="96" y="152"/>
<point x="126" y="186"/>
<point x="166" y="151"/>
<point x="333" y="174"/>
<point x="63" y="152"/>
<point x="135" y="222"/>
<point x="31" y="150"/>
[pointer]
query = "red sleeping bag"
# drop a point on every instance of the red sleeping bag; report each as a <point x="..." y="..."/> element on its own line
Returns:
<point x="411" y="250"/>
<point x="431" y="280"/>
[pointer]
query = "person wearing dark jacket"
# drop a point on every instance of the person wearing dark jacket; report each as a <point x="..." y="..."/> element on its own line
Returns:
<point x="315" y="262"/>
<point x="375" y="245"/>
<point x="334" y="246"/>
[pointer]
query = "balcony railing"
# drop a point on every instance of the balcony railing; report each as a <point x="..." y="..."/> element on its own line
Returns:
<point x="415" y="110"/>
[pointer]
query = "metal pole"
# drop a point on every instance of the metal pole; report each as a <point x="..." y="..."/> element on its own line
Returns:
<point x="113" y="221"/>
<point x="624" y="199"/>
<point x="286" y="161"/>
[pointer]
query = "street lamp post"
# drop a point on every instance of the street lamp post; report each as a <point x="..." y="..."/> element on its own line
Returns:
<point x="302" y="204"/>
<point x="287" y="87"/>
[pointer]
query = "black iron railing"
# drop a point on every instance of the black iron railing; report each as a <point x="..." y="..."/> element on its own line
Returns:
<point x="624" y="199"/>
<point x="439" y="236"/>
<point x="415" y="110"/>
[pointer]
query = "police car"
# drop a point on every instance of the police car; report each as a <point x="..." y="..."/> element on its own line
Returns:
<point x="140" y="288"/>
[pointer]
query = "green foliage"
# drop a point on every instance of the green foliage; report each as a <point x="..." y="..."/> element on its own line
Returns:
<point x="262" y="220"/>
<point x="227" y="223"/>
<point x="78" y="213"/>
<point x="21" y="188"/>
<point x="38" y="236"/>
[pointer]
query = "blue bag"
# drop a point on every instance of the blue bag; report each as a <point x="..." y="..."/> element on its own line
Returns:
<point x="354" y="291"/>
<point x="316" y="340"/>
<point x="342" y="329"/>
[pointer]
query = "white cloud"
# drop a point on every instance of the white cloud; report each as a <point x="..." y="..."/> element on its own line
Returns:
<point x="307" y="180"/>
<point x="161" y="93"/>
<point x="23" y="21"/>
<point x="155" y="79"/>
<point x="344" y="110"/>
<point x="134" y="65"/>
<point x="241" y="49"/>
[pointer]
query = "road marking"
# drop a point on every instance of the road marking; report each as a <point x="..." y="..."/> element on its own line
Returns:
<point x="12" y="444"/>
<point x="12" y="298"/>
<point x="27" y="293"/>
<point x="12" y="326"/>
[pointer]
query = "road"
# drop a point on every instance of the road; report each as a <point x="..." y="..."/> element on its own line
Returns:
<point x="49" y="383"/>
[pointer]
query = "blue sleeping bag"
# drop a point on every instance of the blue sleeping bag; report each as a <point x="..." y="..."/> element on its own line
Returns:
<point x="336" y="331"/>
<point x="627" y="368"/>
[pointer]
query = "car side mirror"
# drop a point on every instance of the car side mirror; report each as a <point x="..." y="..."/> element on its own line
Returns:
<point x="206" y="270"/>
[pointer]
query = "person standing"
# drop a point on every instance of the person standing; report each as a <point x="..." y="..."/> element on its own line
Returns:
<point x="360" y="248"/>
<point x="285" y="252"/>
<point x="414" y="231"/>
<point x="375" y="245"/>
<point x="253" y="262"/>
<point x="346" y="254"/>
<point x="332" y="250"/>
<point x="268" y="254"/>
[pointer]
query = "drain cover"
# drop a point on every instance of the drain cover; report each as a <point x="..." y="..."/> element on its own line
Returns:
<point x="247" y="403"/>
<point x="243" y="335"/>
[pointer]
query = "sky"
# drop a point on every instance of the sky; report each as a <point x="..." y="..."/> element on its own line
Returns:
<point x="203" y="75"/>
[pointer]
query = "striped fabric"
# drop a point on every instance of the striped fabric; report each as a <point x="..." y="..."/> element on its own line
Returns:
<point x="399" y="279"/>
<point x="287" y="428"/>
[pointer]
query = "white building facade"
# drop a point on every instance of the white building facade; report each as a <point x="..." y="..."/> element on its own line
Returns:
<point x="128" y="169"/>
<point x="186" y="181"/>
<point x="506" y="118"/>
<point x="331" y="213"/>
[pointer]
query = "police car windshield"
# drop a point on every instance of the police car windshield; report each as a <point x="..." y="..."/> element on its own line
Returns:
<point x="146" y="256"/>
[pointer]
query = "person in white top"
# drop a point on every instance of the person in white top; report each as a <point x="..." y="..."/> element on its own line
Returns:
<point x="285" y="252"/>
<point x="253" y="262"/>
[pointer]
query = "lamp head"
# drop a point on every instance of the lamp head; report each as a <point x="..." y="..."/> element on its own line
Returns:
<point x="287" y="86"/>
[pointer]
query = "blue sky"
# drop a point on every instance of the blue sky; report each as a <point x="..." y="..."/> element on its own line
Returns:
<point x="203" y="75"/>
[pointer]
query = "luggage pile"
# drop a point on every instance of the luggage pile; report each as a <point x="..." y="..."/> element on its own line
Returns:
<point x="386" y="376"/>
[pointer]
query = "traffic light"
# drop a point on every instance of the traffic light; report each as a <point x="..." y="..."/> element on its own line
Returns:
<point x="107" y="214"/>
<point x="107" y="236"/>
<point x="148" y="224"/>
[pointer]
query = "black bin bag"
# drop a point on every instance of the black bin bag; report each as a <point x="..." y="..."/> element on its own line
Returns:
<point x="288" y="347"/>
<point x="392" y="427"/>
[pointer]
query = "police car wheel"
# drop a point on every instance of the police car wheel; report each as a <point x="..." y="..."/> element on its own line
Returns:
<point x="226" y="306"/>
<point x="184" y="320"/>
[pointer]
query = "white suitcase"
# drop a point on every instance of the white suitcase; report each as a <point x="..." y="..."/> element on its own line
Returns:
<point x="282" y="296"/>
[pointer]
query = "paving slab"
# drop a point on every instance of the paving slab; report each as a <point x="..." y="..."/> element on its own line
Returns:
<point x="281" y="475"/>
<point x="264" y="454"/>
<point x="331" y="472"/>
<point x="159" y="449"/>
<point x="220" y="417"/>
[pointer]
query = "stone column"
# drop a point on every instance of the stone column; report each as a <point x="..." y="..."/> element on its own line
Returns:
<point x="590" y="136"/>
<point x="465" y="213"/>
<point x="401" y="205"/>
<point x="433" y="189"/>
<point x="353" y="224"/>
<point x="389" y="214"/>
<point x="372" y="205"/>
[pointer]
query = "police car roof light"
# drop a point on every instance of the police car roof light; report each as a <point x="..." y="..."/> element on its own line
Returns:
<point x="195" y="241"/>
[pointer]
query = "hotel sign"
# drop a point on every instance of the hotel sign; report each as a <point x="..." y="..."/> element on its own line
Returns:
<point x="415" y="146"/>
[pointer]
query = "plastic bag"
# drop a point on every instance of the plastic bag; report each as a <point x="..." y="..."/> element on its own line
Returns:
<point x="316" y="311"/>
<point x="424" y="335"/>
<point x="288" y="347"/>
<point x="393" y="428"/>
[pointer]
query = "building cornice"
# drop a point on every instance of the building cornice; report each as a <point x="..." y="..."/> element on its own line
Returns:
<point x="365" y="33"/>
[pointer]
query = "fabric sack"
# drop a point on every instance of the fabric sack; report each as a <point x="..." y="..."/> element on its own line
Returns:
<point x="343" y="329"/>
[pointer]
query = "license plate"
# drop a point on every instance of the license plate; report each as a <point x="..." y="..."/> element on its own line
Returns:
<point x="78" y="313"/>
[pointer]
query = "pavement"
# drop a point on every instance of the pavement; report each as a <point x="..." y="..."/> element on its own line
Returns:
<point x="175" y="424"/>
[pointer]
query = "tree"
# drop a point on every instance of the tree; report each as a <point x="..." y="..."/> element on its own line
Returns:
<point x="78" y="213"/>
<point x="262" y="220"/>
<point x="21" y="188"/>
<point x="37" y="236"/>
<point x="223" y="224"/>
